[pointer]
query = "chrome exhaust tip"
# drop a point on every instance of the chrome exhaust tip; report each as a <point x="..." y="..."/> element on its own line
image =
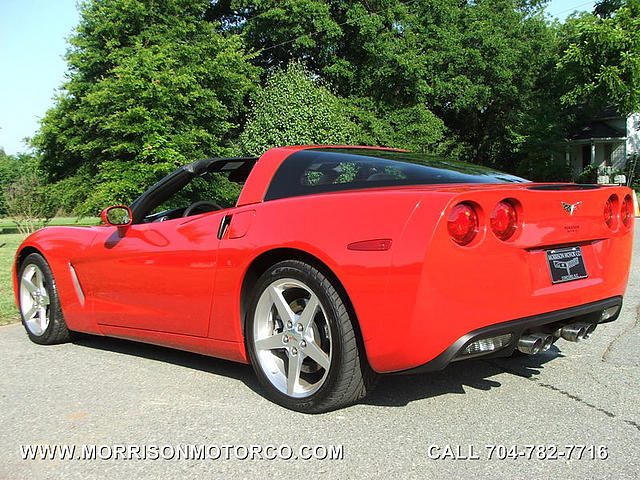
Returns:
<point x="548" y="341"/>
<point x="590" y="328"/>
<point x="576" y="331"/>
<point x="534" y="343"/>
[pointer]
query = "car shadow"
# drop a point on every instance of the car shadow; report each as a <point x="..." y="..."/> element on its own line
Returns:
<point x="194" y="361"/>
<point x="399" y="390"/>
<point x="391" y="391"/>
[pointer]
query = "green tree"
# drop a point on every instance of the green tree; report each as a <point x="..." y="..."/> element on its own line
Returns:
<point x="25" y="197"/>
<point x="11" y="168"/>
<point x="606" y="8"/>
<point x="414" y="128"/>
<point x="482" y="67"/>
<point x="486" y="66"/>
<point x="283" y="30"/>
<point x="296" y="108"/>
<point x="150" y="85"/>
<point x="600" y="63"/>
<point x="362" y="48"/>
<point x="293" y="108"/>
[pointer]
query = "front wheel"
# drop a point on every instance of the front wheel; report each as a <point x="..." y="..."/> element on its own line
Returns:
<point x="39" y="303"/>
<point x="301" y="341"/>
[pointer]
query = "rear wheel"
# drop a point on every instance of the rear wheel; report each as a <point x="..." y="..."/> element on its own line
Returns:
<point x="302" y="343"/>
<point x="39" y="302"/>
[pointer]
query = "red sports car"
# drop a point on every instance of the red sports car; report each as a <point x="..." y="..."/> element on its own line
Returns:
<point x="333" y="264"/>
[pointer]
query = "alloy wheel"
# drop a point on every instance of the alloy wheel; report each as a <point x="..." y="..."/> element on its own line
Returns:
<point x="292" y="338"/>
<point x="34" y="300"/>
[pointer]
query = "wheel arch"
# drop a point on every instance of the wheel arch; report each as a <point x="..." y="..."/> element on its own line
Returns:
<point x="24" y="253"/>
<point x="265" y="260"/>
<point x="19" y="259"/>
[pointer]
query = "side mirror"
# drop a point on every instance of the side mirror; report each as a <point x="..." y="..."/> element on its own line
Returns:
<point x="117" y="215"/>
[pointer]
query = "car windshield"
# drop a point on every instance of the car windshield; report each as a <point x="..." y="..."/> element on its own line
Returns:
<point x="328" y="170"/>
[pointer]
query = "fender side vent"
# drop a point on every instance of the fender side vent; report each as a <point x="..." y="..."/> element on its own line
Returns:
<point x="76" y="284"/>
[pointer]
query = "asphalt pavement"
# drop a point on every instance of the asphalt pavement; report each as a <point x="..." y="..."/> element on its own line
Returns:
<point x="570" y="413"/>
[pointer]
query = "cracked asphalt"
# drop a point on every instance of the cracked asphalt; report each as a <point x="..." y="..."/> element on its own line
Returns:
<point x="100" y="391"/>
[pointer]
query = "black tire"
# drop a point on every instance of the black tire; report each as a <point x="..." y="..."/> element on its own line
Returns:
<point x="56" y="330"/>
<point x="348" y="377"/>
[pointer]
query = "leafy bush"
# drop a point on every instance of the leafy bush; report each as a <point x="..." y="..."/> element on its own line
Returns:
<point x="413" y="128"/>
<point x="29" y="203"/>
<point x="545" y="168"/>
<point x="588" y="175"/>
<point x="11" y="167"/>
<point x="294" y="108"/>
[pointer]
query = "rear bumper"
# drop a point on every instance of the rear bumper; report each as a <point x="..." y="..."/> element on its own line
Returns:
<point x="589" y="312"/>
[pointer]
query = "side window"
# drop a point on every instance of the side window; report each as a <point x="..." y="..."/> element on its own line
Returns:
<point x="211" y="187"/>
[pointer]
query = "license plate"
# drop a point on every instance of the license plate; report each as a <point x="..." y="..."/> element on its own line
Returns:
<point x="566" y="264"/>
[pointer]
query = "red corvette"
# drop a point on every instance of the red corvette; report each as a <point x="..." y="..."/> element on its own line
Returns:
<point x="334" y="264"/>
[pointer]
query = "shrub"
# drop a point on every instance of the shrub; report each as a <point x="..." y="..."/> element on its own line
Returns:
<point x="294" y="108"/>
<point x="29" y="203"/>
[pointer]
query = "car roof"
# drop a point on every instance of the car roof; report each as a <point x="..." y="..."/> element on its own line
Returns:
<point x="260" y="177"/>
<point x="277" y="165"/>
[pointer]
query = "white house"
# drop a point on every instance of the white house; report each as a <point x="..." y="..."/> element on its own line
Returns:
<point x="610" y="141"/>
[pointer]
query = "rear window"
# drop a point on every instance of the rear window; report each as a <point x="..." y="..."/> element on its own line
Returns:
<point x="330" y="170"/>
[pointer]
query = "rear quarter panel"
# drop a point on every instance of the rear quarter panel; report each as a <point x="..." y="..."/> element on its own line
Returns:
<point x="453" y="290"/>
<point x="323" y="225"/>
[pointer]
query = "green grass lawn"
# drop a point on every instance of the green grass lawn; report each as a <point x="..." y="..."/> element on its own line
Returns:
<point x="8" y="224"/>
<point x="9" y="242"/>
<point x="8" y="245"/>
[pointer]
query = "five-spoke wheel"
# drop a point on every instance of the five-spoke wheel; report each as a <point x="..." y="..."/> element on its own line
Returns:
<point x="39" y="303"/>
<point x="34" y="300"/>
<point x="301" y="340"/>
<point x="292" y="337"/>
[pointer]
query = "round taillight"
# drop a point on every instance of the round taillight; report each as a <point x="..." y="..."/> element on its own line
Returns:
<point x="463" y="223"/>
<point x="609" y="211"/>
<point x="504" y="220"/>
<point x="626" y="213"/>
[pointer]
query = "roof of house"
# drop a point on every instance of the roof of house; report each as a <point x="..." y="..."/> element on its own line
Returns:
<point x="609" y="112"/>
<point x="596" y="129"/>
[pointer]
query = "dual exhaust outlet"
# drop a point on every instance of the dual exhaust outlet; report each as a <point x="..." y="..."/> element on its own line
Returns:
<point x="539" y="342"/>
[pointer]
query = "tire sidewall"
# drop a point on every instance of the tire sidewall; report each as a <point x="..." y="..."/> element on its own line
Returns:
<point x="292" y="269"/>
<point x="54" y="303"/>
